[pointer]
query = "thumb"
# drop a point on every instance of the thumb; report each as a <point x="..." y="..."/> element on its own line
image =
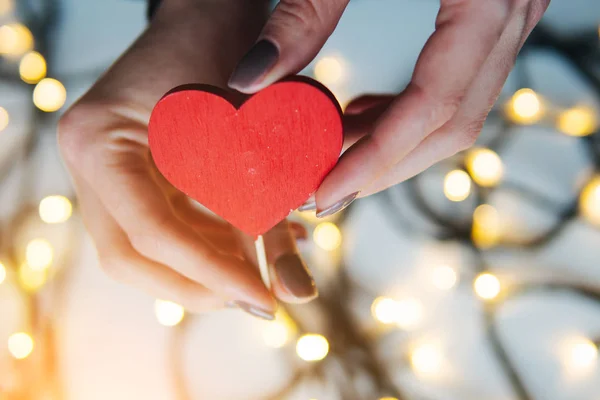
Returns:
<point x="292" y="37"/>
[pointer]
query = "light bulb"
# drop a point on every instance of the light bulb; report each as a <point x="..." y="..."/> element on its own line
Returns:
<point x="487" y="286"/>
<point x="327" y="236"/>
<point x="443" y="277"/>
<point x="485" y="166"/>
<point x="312" y="347"/>
<point x="32" y="67"/>
<point x="525" y="107"/>
<point x="31" y="279"/>
<point x="426" y="360"/>
<point x="589" y="201"/>
<point x="486" y="229"/>
<point x="49" y="95"/>
<point x="4" y="118"/>
<point x="457" y="185"/>
<point x="582" y="354"/>
<point x="577" y="121"/>
<point x="168" y="313"/>
<point x="20" y="345"/>
<point x="385" y="310"/>
<point x="15" y="40"/>
<point x="39" y="254"/>
<point x="55" y="209"/>
<point x="406" y="313"/>
<point x="329" y="70"/>
<point x="275" y="334"/>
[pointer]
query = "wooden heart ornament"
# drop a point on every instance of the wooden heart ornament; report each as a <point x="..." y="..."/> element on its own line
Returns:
<point x="251" y="163"/>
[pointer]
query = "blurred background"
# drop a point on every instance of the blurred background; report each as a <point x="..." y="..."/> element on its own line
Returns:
<point x="478" y="279"/>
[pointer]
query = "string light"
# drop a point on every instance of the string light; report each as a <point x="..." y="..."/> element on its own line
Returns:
<point x="39" y="254"/>
<point x="384" y="310"/>
<point x="55" y="209"/>
<point x="589" y="201"/>
<point x="20" y="345"/>
<point x="582" y="354"/>
<point x="487" y="286"/>
<point x="275" y="334"/>
<point x="329" y="70"/>
<point x="577" y="121"/>
<point x="49" y="95"/>
<point x="426" y="360"/>
<point x="327" y="236"/>
<point x="15" y="40"/>
<point x="406" y="313"/>
<point x="486" y="230"/>
<point x="443" y="277"/>
<point x="168" y="313"/>
<point x="312" y="347"/>
<point x="485" y="166"/>
<point x="457" y="185"/>
<point x="32" y="67"/>
<point x="31" y="279"/>
<point x="525" y="107"/>
<point x="4" y="118"/>
<point x="2" y="273"/>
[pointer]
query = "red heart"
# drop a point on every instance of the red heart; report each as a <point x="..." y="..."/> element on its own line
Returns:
<point x="252" y="165"/>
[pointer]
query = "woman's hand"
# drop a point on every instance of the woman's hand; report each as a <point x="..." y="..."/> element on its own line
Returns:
<point x="146" y="232"/>
<point x="456" y="81"/>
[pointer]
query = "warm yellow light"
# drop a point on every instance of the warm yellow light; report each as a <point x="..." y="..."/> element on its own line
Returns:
<point x="49" y="95"/>
<point x="385" y="310"/>
<point x="20" y="345"/>
<point x="577" y="121"/>
<point x="582" y="354"/>
<point x="4" y="118"/>
<point x="55" y="209"/>
<point x="457" y="185"/>
<point x="443" y="277"/>
<point x="327" y="236"/>
<point x="589" y="201"/>
<point x="329" y="70"/>
<point x="312" y="347"/>
<point x="486" y="229"/>
<point x="485" y="166"/>
<point x="15" y="39"/>
<point x="2" y="273"/>
<point x="406" y="313"/>
<point x="487" y="286"/>
<point x="426" y="360"/>
<point x="6" y="6"/>
<point x="39" y="254"/>
<point x="32" y="67"/>
<point x="32" y="279"/>
<point x="275" y="334"/>
<point x="168" y="313"/>
<point x="525" y="107"/>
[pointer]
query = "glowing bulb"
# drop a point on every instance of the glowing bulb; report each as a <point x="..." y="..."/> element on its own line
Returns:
<point x="49" y="95"/>
<point x="32" y="67"/>
<point x="20" y="345"/>
<point x="487" y="286"/>
<point x="327" y="236"/>
<point x="486" y="230"/>
<point x="426" y="360"/>
<point x="443" y="277"/>
<point x="582" y="354"/>
<point x="457" y="185"/>
<point x="275" y="334"/>
<point x="485" y="166"/>
<point x="524" y="107"/>
<point x="31" y="279"/>
<point x="4" y="118"/>
<point x="55" y="209"/>
<point x="168" y="313"/>
<point x="329" y="70"/>
<point x="312" y="347"/>
<point x="385" y="310"/>
<point x="15" y="39"/>
<point x="410" y="313"/>
<point x="2" y="273"/>
<point x="577" y="121"/>
<point x="589" y="201"/>
<point x="39" y="254"/>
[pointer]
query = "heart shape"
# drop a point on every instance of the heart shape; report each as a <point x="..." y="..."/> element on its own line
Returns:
<point x="251" y="163"/>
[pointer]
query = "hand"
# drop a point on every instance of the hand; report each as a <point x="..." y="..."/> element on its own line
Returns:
<point x="456" y="81"/>
<point x="147" y="233"/>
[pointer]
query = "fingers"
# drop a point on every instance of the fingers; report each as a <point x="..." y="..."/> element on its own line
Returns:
<point x="466" y="32"/>
<point x="292" y="37"/>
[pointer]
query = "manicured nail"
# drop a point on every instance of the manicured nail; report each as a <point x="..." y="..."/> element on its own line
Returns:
<point x="293" y="274"/>
<point x="257" y="62"/>
<point x="252" y="310"/>
<point x="308" y="206"/>
<point x="337" y="207"/>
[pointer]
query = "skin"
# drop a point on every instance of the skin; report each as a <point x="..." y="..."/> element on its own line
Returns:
<point x="146" y="232"/>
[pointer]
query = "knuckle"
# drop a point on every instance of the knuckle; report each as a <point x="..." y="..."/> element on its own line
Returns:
<point x="71" y="141"/>
<point x="115" y="266"/>
<point x="469" y="134"/>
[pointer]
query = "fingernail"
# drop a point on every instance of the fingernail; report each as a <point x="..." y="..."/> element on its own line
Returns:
<point x="293" y="274"/>
<point x="252" y="310"/>
<point x="308" y="206"/>
<point x="337" y="207"/>
<point x="257" y="62"/>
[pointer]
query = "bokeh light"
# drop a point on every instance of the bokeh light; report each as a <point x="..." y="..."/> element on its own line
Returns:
<point x="589" y="201"/>
<point x="31" y="279"/>
<point x="525" y="107"/>
<point x="443" y="277"/>
<point x="327" y="236"/>
<point x="49" y="95"/>
<point x="39" y="254"/>
<point x="15" y="40"/>
<point x="577" y="121"/>
<point x="582" y="354"/>
<point x="20" y="345"/>
<point x="168" y="313"/>
<point x="385" y="310"/>
<point x="426" y="360"/>
<point x="485" y="166"/>
<point x="406" y="313"/>
<point x="487" y="286"/>
<point x="312" y="347"/>
<point x="275" y="334"/>
<point x="32" y="67"/>
<point x="4" y="118"/>
<point x="2" y="273"/>
<point x="457" y="185"/>
<point x="329" y="70"/>
<point x="486" y="230"/>
<point x="55" y="209"/>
